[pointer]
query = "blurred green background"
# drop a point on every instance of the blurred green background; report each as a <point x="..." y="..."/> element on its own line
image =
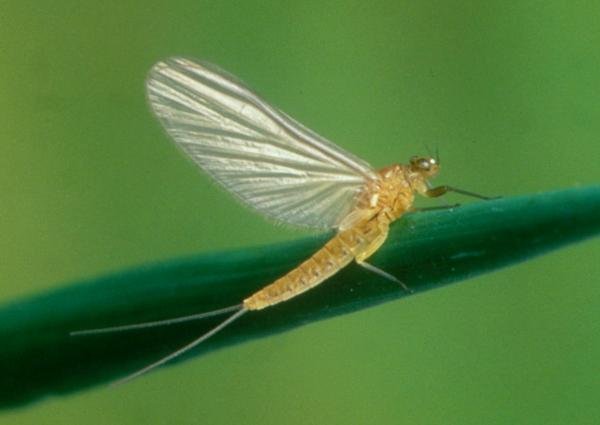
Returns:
<point x="508" y="91"/>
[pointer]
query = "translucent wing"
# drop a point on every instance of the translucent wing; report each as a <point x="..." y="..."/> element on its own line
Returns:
<point x="268" y="160"/>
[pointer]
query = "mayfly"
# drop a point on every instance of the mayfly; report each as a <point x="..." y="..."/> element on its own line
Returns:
<point x="284" y="171"/>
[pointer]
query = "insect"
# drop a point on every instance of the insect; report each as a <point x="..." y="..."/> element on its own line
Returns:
<point x="284" y="171"/>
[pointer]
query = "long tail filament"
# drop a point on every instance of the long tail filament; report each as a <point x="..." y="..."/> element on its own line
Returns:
<point x="239" y="311"/>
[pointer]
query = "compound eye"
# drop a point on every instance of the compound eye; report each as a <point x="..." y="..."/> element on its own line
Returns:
<point x="424" y="164"/>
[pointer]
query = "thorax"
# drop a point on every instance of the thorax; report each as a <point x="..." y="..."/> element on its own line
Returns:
<point x="392" y="194"/>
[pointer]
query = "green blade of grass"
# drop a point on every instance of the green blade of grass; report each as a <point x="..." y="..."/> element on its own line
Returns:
<point x="425" y="250"/>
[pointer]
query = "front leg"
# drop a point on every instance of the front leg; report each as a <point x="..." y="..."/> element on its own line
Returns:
<point x="434" y="192"/>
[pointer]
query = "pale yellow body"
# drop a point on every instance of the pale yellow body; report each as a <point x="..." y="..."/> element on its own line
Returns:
<point x="360" y="235"/>
<point x="273" y="164"/>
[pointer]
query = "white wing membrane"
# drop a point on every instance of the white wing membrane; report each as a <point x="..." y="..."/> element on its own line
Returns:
<point x="268" y="160"/>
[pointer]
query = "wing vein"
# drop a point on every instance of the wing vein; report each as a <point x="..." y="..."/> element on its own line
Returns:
<point x="265" y="158"/>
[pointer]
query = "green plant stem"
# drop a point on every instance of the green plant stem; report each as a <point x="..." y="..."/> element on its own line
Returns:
<point x="425" y="250"/>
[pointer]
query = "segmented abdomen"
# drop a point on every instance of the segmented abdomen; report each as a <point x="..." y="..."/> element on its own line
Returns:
<point x="336" y="254"/>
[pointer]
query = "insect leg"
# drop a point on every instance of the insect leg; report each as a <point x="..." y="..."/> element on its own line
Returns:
<point x="384" y="274"/>
<point x="434" y="192"/>
<point x="370" y="249"/>
<point x="439" y="207"/>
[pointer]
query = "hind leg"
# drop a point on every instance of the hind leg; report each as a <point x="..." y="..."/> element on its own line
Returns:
<point x="370" y="249"/>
